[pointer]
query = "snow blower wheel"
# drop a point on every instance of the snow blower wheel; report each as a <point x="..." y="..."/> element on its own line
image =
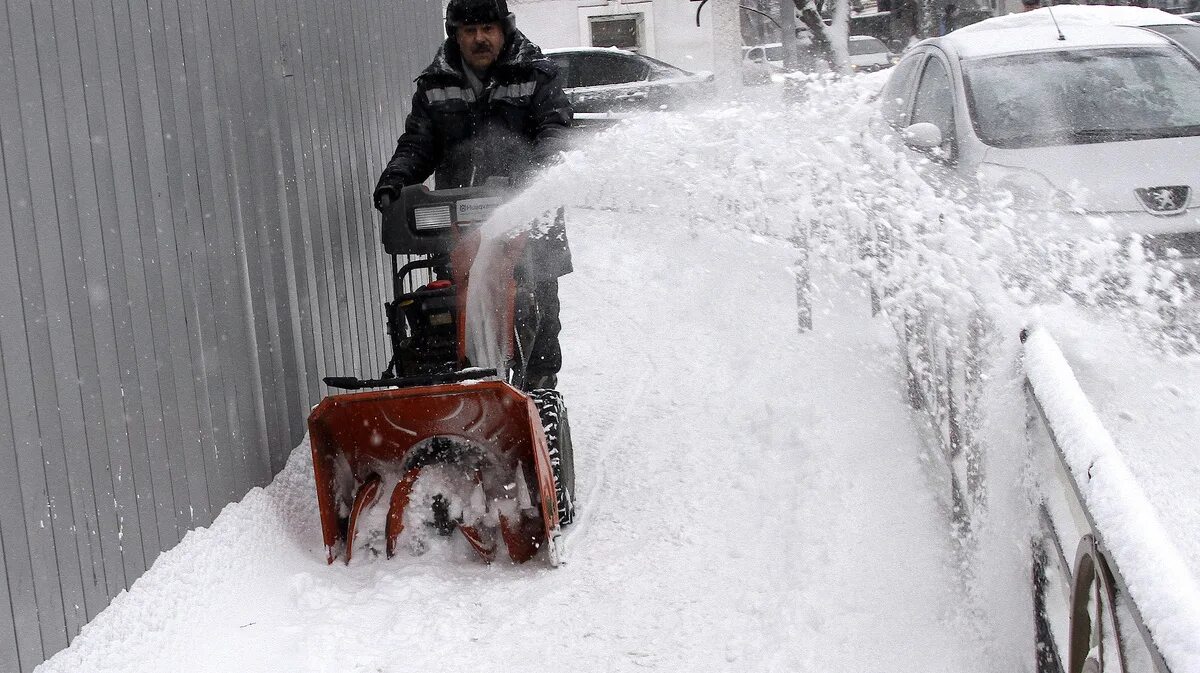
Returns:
<point x="553" y="412"/>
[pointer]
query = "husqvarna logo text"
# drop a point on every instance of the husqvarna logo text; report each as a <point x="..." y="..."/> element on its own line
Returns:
<point x="1165" y="200"/>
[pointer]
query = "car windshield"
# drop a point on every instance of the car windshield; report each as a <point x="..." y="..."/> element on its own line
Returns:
<point x="1083" y="96"/>
<point x="775" y="53"/>
<point x="869" y="46"/>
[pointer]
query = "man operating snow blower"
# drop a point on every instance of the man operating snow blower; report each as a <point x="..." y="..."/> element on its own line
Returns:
<point x="491" y="106"/>
<point x="466" y="433"/>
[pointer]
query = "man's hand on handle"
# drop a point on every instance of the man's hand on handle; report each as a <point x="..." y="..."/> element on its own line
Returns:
<point x="384" y="197"/>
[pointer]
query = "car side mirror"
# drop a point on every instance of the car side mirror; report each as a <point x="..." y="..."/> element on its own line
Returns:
<point x="922" y="136"/>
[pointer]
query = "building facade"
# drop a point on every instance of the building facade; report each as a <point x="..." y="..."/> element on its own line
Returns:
<point x="664" y="29"/>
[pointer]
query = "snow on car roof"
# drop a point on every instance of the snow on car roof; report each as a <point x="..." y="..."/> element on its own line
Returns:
<point x="1079" y="15"/>
<point x="1035" y="31"/>
<point x="602" y="50"/>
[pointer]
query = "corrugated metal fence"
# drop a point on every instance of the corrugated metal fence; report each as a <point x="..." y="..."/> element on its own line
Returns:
<point x="188" y="245"/>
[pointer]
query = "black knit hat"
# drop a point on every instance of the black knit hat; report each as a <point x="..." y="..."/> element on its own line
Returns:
<point x="470" y="12"/>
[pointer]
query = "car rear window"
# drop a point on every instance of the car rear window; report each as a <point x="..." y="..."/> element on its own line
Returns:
<point x="1083" y="96"/>
<point x="871" y="46"/>
<point x="594" y="69"/>
<point x="564" y="69"/>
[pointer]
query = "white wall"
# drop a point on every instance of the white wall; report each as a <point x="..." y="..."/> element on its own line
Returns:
<point x="549" y="23"/>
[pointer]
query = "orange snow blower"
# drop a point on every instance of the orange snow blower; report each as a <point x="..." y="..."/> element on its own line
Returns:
<point x="454" y="447"/>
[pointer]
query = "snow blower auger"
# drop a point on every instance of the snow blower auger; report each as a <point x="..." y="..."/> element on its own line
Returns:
<point x="464" y="446"/>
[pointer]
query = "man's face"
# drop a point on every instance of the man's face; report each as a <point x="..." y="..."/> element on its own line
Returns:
<point x="480" y="44"/>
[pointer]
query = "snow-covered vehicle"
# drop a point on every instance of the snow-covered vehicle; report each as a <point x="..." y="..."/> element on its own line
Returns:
<point x="760" y="62"/>
<point x="1091" y="129"/>
<point x="602" y="81"/>
<point x="868" y="54"/>
<point x="1097" y="132"/>
<point x="1105" y="122"/>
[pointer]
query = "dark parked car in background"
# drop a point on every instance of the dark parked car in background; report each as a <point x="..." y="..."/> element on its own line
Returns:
<point x="604" y="81"/>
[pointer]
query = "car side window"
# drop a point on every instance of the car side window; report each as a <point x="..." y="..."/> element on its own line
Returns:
<point x="602" y="69"/>
<point x="564" y="69"/>
<point x="934" y="102"/>
<point x="895" y="100"/>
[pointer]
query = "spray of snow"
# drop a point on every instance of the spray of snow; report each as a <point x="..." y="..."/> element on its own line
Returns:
<point x="972" y="271"/>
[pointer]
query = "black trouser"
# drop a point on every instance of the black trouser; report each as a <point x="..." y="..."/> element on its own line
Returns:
<point x="547" y="256"/>
<point x="538" y="325"/>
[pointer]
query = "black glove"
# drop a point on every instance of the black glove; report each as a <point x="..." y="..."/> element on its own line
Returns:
<point x="384" y="196"/>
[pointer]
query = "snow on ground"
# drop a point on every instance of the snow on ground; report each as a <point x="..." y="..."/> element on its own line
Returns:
<point x="752" y="501"/>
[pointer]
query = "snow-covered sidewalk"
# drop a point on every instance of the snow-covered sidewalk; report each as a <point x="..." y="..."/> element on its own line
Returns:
<point x="752" y="500"/>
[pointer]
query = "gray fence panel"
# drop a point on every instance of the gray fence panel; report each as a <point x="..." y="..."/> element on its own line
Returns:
<point x="187" y="335"/>
<point x="46" y="145"/>
<point x="22" y="640"/>
<point x="310" y="281"/>
<point x="34" y="398"/>
<point x="126" y="438"/>
<point x="179" y="372"/>
<point x="292" y="349"/>
<point x="190" y="247"/>
<point x="74" y="347"/>
<point x="241" y="195"/>
<point x="329" y="217"/>
<point x="9" y="659"/>
<point x="351" y="121"/>
<point x="260" y="219"/>
<point x="152" y="476"/>
<point x="162" y="278"/>
<point x="336" y="213"/>
<point x="218" y="391"/>
<point x="100" y="373"/>
<point x="232" y="386"/>
<point x="302" y="199"/>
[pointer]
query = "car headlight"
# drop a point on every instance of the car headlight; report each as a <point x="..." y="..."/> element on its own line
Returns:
<point x="1030" y="190"/>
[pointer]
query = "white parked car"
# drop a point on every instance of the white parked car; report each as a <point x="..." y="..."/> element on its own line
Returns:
<point x="760" y="62"/>
<point x="1105" y="120"/>
<point x="868" y="54"/>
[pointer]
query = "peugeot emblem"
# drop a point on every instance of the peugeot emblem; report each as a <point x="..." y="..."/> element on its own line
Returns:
<point x="1165" y="200"/>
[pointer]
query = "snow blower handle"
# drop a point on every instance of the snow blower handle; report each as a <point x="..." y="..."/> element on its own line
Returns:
<point x="351" y="383"/>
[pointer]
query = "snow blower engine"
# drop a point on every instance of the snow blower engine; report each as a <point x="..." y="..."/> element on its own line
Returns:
<point x="454" y="447"/>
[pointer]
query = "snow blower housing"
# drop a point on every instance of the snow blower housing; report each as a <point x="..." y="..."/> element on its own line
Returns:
<point x="460" y="446"/>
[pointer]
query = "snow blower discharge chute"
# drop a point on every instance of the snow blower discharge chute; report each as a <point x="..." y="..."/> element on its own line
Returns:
<point x="446" y="446"/>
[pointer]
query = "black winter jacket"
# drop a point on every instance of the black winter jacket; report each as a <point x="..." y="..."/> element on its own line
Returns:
<point x="517" y="124"/>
